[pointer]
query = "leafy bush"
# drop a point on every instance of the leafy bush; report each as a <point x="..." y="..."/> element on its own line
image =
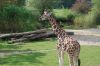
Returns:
<point x="17" y="19"/>
<point x="91" y="19"/>
<point x="84" y="21"/>
<point x="65" y="15"/>
<point x="40" y="4"/>
<point x="96" y="11"/>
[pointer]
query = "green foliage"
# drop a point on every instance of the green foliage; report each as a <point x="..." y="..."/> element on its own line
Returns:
<point x="14" y="2"/>
<point x="91" y="19"/>
<point x="65" y="15"/>
<point x="21" y="2"/>
<point x="14" y="13"/>
<point x="41" y="4"/>
<point x="96" y="11"/>
<point x="16" y="19"/>
<point x="84" y="21"/>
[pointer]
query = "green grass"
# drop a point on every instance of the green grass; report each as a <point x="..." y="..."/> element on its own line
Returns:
<point x="90" y="55"/>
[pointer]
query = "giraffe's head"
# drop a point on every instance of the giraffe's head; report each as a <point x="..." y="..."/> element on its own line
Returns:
<point x="46" y="14"/>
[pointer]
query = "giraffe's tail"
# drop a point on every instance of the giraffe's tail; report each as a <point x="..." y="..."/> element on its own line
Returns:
<point x="79" y="62"/>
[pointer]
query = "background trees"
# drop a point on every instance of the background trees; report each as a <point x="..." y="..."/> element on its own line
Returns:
<point x="23" y="15"/>
<point x="82" y="6"/>
<point x="14" y="17"/>
<point x="96" y="11"/>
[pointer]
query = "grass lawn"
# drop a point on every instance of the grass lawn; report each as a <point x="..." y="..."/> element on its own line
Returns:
<point x="90" y="55"/>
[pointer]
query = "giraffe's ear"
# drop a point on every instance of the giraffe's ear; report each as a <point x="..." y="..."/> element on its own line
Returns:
<point x="45" y="11"/>
<point x="50" y="13"/>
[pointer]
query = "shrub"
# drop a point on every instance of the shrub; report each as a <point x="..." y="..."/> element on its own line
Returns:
<point x="84" y="21"/>
<point x="65" y="15"/>
<point x="91" y="19"/>
<point x="41" y="4"/>
<point x="96" y="11"/>
<point x="17" y="19"/>
<point x="81" y="6"/>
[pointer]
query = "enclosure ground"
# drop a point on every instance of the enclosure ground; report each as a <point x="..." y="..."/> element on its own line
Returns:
<point x="90" y="55"/>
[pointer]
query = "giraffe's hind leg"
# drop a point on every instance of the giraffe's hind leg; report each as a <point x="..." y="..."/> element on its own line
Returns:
<point x="71" y="62"/>
<point x="76" y="59"/>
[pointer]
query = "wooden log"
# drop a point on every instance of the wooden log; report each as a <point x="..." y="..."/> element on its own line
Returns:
<point x="21" y="39"/>
<point x="32" y="37"/>
<point x="15" y="35"/>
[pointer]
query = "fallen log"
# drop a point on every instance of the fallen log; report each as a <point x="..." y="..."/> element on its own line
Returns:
<point x="18" y="35"/>
<point x="32" y="37"/>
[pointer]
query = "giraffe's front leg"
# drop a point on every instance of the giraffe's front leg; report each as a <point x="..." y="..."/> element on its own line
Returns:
<point x="60" y="56"/>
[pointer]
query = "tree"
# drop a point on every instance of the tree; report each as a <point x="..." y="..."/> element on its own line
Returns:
<point x="67" y="3"/>
<point x="41" y="4"/>
<point x="15" y="2"/>
<point x="82" y="6"/>
<point x="96" y="11"/>
<point x="20" y="2"/>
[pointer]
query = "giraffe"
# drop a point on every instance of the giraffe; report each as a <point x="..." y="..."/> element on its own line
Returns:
<point x="65" y="44"/>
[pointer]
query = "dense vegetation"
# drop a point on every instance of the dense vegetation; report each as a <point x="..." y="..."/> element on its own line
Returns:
<point x="22" y="15"/>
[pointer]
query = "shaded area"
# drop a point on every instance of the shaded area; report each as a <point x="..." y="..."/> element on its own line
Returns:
<point x="22" y="58"/>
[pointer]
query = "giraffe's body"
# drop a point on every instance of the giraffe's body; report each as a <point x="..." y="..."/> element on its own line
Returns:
<point x="65" y="42"/>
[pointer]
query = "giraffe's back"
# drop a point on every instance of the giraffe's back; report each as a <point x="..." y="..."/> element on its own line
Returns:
<point x="71" y="45"/>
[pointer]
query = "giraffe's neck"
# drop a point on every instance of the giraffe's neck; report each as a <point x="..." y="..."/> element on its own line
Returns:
<point x="56" y="28"/>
